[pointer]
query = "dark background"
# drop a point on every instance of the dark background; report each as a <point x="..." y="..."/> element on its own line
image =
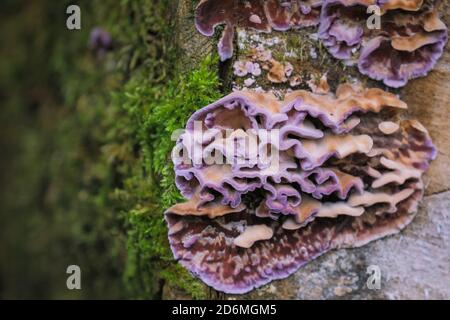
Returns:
<point x="52" y="209"/>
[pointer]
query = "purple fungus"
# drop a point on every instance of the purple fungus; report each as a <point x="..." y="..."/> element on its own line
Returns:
<point x="410" y="40"/>
<point x="259" y="15"/>
<point x="339" y="176"/>
<point x="409" y="48"/>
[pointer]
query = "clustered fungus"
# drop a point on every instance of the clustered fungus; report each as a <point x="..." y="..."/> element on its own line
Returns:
<point x="406" y="45"/>
<point x="329" y="171"/>
<point x="409" y="41"/>
<point x="258" y="60"/>
<point x="260" y="15"/>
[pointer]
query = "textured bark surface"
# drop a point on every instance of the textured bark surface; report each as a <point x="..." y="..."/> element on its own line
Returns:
<point x="429" y="100"/>
<point x="193" y="45"/>
<point x="414" y="264"/>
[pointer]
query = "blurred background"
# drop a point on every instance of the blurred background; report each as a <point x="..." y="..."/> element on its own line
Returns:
<point x="77" y="185"/>
<point x="54" y="210"/>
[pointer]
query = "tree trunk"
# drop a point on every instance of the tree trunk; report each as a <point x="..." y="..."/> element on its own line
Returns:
<point x="415" y="263"/>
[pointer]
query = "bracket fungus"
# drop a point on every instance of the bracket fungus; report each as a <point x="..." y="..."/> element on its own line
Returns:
<point x="406" y="45"/>
<point x="260" y="15"/>
<point x="328" y="171"/>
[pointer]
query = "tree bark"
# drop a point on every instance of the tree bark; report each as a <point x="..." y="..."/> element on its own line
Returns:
<point x="415" y="263"/>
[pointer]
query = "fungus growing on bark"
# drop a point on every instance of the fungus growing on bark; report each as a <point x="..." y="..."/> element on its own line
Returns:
<point x="279" y="72"/>
<point x="100" y="41"/>
<point x="260" y="15"/>
<point x="408" y="5"/>
<point x="407" y="45"/>
<point x="320" y="86"/>
<point x="243" y="68"/>
<point x="410" y="47"/>
<point x="340" y="173"/>
<point x="295" y="81"/>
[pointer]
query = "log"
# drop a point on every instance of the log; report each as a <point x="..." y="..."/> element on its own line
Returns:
<point x="415" y="263"/>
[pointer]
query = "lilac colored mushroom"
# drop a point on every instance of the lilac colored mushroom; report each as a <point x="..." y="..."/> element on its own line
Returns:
<point x="342" y="26"/>
<point x="339" y="175"/>
<point x="408" y="49"/>
<point x="260" y="15"/>
<point x="411" y="39"/>
<point x="407" y="46"/>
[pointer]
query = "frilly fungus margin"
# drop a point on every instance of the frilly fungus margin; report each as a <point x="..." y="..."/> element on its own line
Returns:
<point x="407" y="46"/>
<point x="263" y="16"/>
<point x="348" y="174"/>
<point x="411" y="39"/>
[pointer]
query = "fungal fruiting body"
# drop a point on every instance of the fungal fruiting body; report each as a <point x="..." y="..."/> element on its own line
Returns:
<point x="324" y="171"/>
<point x="100" y="41"/>
<point x="260" y="15"/>
<point x="406" y="45"/>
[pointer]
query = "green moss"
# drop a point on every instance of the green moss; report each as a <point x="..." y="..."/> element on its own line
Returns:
<point x="88" y="162"/>
<point x="153" y="103"/>
<point x="157" y="112"/>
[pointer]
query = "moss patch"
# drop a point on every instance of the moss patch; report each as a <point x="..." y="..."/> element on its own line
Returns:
<point x="157" y="112"/>
<point x="87" y="142"/>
